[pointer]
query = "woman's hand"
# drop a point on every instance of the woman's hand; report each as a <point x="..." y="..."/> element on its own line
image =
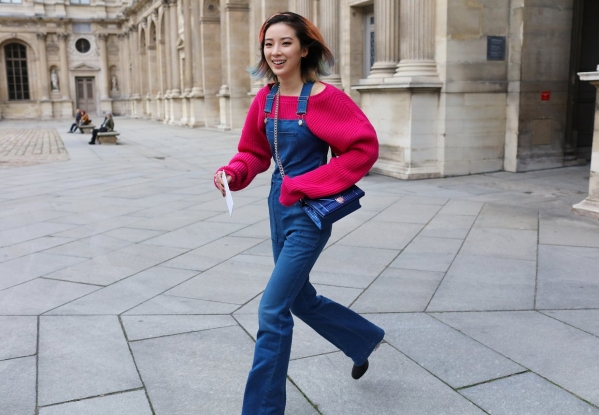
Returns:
<point x="218" y="181"/>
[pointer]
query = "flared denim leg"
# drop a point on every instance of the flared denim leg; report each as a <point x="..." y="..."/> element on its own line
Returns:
<point x="265" y="388"/>
<point x="347" y="330"/>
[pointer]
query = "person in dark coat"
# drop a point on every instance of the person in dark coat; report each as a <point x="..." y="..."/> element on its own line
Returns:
<point x="76" y="123"/>
<point x="107" y="125"/>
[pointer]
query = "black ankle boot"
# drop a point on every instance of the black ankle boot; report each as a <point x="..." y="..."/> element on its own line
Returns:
<point x="358" y="371"/>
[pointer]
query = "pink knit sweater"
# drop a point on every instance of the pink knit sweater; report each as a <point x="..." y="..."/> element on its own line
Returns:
<point x="333" y="117"/>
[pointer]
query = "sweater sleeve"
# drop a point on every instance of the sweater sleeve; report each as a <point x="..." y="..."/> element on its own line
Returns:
<point x="340" y="122"/>
<point x="254" y="154"/>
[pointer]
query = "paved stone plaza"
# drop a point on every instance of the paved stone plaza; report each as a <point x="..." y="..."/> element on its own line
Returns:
<point x="126" y="288"/>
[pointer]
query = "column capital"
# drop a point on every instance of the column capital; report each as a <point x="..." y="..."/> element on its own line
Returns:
<point x="63" y="36"/>
<point x="132" y="28"/>
<point x="102" y="36"/>
<point x="41" y="36"/>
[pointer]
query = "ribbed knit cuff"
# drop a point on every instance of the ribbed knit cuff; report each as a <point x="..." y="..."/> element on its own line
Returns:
<point x="289" y="196"/>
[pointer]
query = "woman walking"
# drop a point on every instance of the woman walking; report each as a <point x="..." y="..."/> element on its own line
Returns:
<point x="296" y="120"/>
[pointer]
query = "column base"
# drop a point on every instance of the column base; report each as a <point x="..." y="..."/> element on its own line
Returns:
<point x="588" y="207"/>
<point x="196" y="112"/>
<point x="46" y="109"/>
<point x="391" y="169"/>
<point x="175" y="110"/>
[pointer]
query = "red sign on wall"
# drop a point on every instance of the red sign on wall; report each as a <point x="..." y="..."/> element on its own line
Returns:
<point x="545" y="95"/>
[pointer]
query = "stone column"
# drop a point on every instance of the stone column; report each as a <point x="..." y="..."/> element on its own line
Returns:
<point x="136" y="101"/>
<point x="64" y="66"/>
<point x="386" y="39"/>
<point x="188" y="63"/>
<point x="175" y="97"/>
<point x="233" y="94"/>
<point x="417" y="48"/>
<point x="189" y="56"/>
<point x="211" y="40"/>
<point x="590" y="206"/>
<point x="45" y="103"/>
<point x="105" y="100"/>
<point x="43" y="66"/>
<point x="329" y="26"/>
<point x="195" y="97"/>
<point x="303" y="8"/>
<point x="174" y="37"/>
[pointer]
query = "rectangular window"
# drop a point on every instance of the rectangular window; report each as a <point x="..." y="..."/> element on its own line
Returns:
<point x="79" y="1"/>
<point x="10" y="1"/>
<point x="16" y="72"/>
<point x="82" y="27"/>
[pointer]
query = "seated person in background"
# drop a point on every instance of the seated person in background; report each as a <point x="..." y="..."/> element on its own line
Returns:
<point x="76" y="123"/>
<point x="107" y="125"/>
<point x="84" y="120"/>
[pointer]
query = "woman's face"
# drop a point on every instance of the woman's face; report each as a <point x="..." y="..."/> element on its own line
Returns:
<point x="283" y="51"/>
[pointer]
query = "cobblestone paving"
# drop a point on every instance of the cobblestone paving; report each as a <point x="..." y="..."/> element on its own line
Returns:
<point x="28" y="146"/>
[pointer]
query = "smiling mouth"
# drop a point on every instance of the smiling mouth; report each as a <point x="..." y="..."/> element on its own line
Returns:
<point x="278" y="62"/>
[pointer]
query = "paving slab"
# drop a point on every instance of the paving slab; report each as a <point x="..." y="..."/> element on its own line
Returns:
<point x="562" y="354"/>
<point x="567" y="277"/>
<point x="146" y="327"/>
<point x="399" y="290"/>
<point x="502" y="243"/>
<point x="494" y="215"/>
<point x="127" y="403"/>
<point x="448" y="354"/>
<point x="82" y="357"/>
<point x="17" y="386"/>
<point x="428" y="254"/>
<point x="29" y="267"/>
<point x="29" y="247"/>
<point x="40" y="295"/>
<point x="526" y="394"/>
<point x="485" y="283"/>
<point x="19" y="336"/>
<point x="213" y="253"/>
<point x="114" y="266"/>
<point x="568" y="230"/>
<point x="388" y="235"/>
<point x="461" y="207"/>
<point x="234" y="281"/>
<point x="169" y="304"/>
<point x="194" y="236"/>
<point x="25" y="233"/>
<point x="348" y="266"/>
<point x="91" y="247"/>
<point x="203" y="372"/>
<point x="393" y="385"/>
<point x="172" y="221"/>
<point x="587" y="320"/>
<point x="448" y="226"/>
<point x="404" y="212"/>
<point x="127" y="293"/>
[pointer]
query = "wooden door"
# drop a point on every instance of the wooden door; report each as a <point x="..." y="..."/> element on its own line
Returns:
<point x="86" y="99"/>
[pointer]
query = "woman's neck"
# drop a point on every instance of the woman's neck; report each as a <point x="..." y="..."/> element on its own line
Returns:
<point x="291" y="87"/>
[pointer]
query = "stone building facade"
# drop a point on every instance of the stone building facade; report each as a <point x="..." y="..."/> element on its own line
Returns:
<point x="453" y="87"/>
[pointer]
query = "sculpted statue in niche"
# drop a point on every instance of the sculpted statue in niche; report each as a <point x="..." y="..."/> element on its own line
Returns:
<point x="115" y="85"/>
<point x="54" y="80"/>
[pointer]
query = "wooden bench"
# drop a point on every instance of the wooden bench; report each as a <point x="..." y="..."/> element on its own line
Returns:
<point x="107" y="137"/>
<point x="87" y="128"/>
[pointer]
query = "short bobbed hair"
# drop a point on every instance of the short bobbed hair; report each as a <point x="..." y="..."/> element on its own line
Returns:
<point x="314" y="65"/>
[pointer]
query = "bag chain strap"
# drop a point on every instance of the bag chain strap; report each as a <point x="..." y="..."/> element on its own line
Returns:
<point x="278" y="98"/>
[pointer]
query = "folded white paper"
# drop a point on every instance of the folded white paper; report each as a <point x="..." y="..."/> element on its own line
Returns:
<point x="228" y="196"/>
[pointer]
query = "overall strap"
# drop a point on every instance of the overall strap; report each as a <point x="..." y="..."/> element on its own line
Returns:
<point x="302" y="102"/>
<point x="270" y="98"/>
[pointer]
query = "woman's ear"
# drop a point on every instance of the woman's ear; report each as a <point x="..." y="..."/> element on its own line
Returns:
<point x="304" y="52"/>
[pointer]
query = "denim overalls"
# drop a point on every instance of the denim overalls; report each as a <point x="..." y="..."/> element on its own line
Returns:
<point x="296" y="245"/>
